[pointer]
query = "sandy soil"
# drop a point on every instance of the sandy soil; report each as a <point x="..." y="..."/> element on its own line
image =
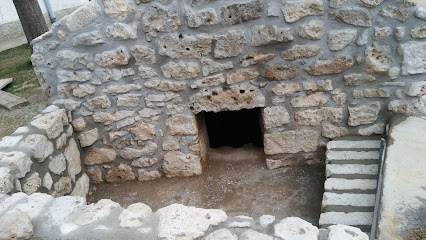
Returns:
<point x="235" y="180"/>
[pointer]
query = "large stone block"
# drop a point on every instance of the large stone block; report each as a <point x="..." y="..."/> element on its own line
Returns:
<point x="161" y="18"/>
<point x="178" y="164"/>
<point x="301" y="51"/>
<point x="413" y="57"/>
<point x="339" y="39"/>
<point x="292" y="141"/>
<point x="363" y="114"/>
<point x="195" y="19"/>
<point x="38" y="146"/>
<point x="72" y="155"/>
<point x="336" y="64"/>
<point x="181" y="125"/>
<point x="313" y="30"/>
<point x="242" y="12"/>
<point x="275" y="116"/>
<point x="296" y="228"/>
<point x="378" y="59"/>
<point x="180" y="70"/>
<point x="281" y="71"/>
<point x="265" y="35"/>
<point x="310" y="100"/>
<point x="313" y="117"/>
<point x="83" y="16"/>
<point x="118" y="9"/>
<point x="52" y="123"/>
<point x="16" y="225"/>
<point x="352" y="15"/>
<point x="229" y="44"/>
<point x="117" y="57"/>
<point x="122" y="31"/>
<point x="176" y="46"/>
<point x="295" y="10"/>
<point x="68" y="59"/>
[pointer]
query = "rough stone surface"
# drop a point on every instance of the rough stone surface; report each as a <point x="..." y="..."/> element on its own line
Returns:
<point x="122" y="31"/>
<point x="292" y="141"/>
<point x="72" y="60"/>
<point x="414" y="61"/>
<point x="370" y="3"/>
<point x="352" y="15"/>
<point x="337" y="232"/>
<point x="195" y="19"/>
<point x="181" y="125"/>
<point x="364" y="114"/>
<point x="122" y="172"/>
<point x="62" y="187"/>
<point x="221" y="234"/>
<point x="94" y="212"/>
<point x="81" y="187"/>
<point x="19" y="162"/>
<point x="265" y="35"/>
<point x="254" y="235"/>
<point x="143" y="54"/>
<point x="132" y="216"/>
<point x="418" y="32"/>
<point x="89" y="137"/>
<point x="381" y="33"/>
<point x="15" y="225"/>
<point x="301" y="51"/>
<point x="378" y="128"/>
<point x="378" y="59"/>
<point x="188" y="46"/>
<point x="275" y="116"/>
<point x="161" y="18"/>
<point x="119" y="9"/>
<point x="83" y="16"/>
<point x="392" y="12"/>
<point x="209" y="66"/>
<point x="52" y="123"/>
<point x="295" y="228"/>
<point x="295" y="10"/>
<point x="410" y="108"/>
<point x="229" y="44"/>
<point x="339" y="39"/>
<point x="314" y="117"/>
<point x="286" y="88"/>
<point x="331" y="131"/>
<point x="180" y="70"/>
<point x="242" y="75"/>
<point x="336" y="64"/>
<point x="119" y="56"/>
<point x="176" y="163"/>
<point x="72" y="155"/>
<point x="38" y="146"/>
<point x="313" y="30"/>
<point x="311" y="100"/>
<point x="88" y="39"/>
<point x="100" y="156"/>
<point x="213" y="80"/>
<point x="281" y="71"/>
<point x="242" y="12"/>
<point x="254" y="58"/>
<point x="144" y="175"/>
<point x="356" y="79"/>
<point x="6" y="181"/>
<point x="32" y="184"/>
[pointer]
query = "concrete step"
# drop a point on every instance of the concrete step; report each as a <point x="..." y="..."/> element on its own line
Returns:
<point x="349" y="170"/>
<point x="339" y="184"/>
<point x="342" y="144"/>
<point x="336" y="156"/>
<point x="351" y="219"/>
<point x="348" y="199"/>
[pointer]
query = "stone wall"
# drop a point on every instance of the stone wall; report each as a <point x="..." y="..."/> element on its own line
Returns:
<point x="136" y="73"/>
<point x="43" y="156"/>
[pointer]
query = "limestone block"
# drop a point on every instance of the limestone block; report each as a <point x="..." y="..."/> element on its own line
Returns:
<point x="163" y="97"/>
<point x="100" y="156"/>
<point x="62" y="207"/>
<point x="88" y="39"/>
<point x="352" y="15"/>
<point x="241" y="75"/>
<point x="113" y="74"/>
<point x="321" y="85"/>
<point x="336" y="64"/>
<point x="417" y="89"/>
<point x="275" y="116"/>
<point x="418" y="32"/>
<point x="6" y="181"/>
<point x="95" y="174"/>
<point x="178" y="221"/>
<point x="331" y="131"/>
<point x="181" y="125"/>
<point x="301" y="51"/>
<point x="123" y="88"/>
<point x="213" y="80"/>
<point x="414" y="57"/>
<point x="143" y="131"/>
<point x="378" y="128"/>
<point x="117" y="57"/>
<point x="339" y="39"/>
<point x="10" y="141"/>
<point x="311" y="100"/>
<point x="20" y="163"/>
<point x="178" y="164"/>
<point x="132" y="153"/>
<point x="87" y="138"/>
<point x="38" y="146"/>
<point x="229" y="44"/>
<point x="313" y="30"/>
<point x="72" y="155"/>
<point x="144" y="162"/>
<point x="195" y="19"/>
<point x="255" y="57"/>
<point x="15" y="225"/>
<point x="399" y="33"/>
<point x="281" y="71"/>
<point x="47" y="181"/>
<point x="313" y="117"/>
<point x="381" y="33"/>
<point x="378" y="59"/>
<point x="122" y="31"/>
<point x="253" y="235"/>
<point x="412" y="107"/>
<point x="209" y="66"/>
<point x="392" y="12"/>
<point x="180" y="70"/>
<point x="58" y="164"/>
<point x="68" y="59"/>
<point x="122" y="172"/>
<point x="295" y="228"/>
<point x="375" y="93"/>
<point x="71" y="76"/>
<point x="52" y="123"/>
<point x="356" y="79"/>
<point x="273" y="10"/>
<point x="161" y="19"/>
<point x="364" y="114"/>
<point x="118" y="9"/>
<point x="176" y="46"/>
<point x="100" y="102"/>
<point x="337" y="232"/>
<point x="420" y="13"/>
<point x="295" y="10"/>
<point x="286" y="88"/>
<point x="32" y="184"/>
<point x="77" y="90"/>
<point x="265" y="35"/>
<point x="81" y="187"/>
<point x="128" y="100"/>
<point x="143" y="54"/>
<point x="242" y="12"/>
<point x="78" y="124"/>
<point x="83" y="16"/>
<point x="336" y="3"/>
<point x="339" y="96"/>
<point x="144" y="175"/>
<point x="221" y="234"/>
<point x="133" y="215"/>
<point x="36" y="205"/>
<point x="369" y="3"/>
<point x="236" y="97"/>
<point x="94" y="212"/>
<point x="292" y="141"/>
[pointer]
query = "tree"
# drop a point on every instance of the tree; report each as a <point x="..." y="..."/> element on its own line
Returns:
<point x="32" y="19"/>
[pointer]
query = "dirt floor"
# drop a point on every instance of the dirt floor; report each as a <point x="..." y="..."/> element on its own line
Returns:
<point x="235" y="180"/>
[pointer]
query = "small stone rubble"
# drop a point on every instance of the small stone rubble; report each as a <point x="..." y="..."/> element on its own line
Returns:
<point x="41" y="216"/>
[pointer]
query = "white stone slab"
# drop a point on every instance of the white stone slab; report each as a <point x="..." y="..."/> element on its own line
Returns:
<point x="352" y="155"/>
<point x="349" y="184"/>
<point x="342" y="144"/>
<point x="350" y="169"/>
<point x="348" y="199"/>
<point x="351" y="219"/>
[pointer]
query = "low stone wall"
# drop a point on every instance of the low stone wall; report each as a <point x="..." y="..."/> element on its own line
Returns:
<point x="42" y="216"/>
<point x="43" y="156"/>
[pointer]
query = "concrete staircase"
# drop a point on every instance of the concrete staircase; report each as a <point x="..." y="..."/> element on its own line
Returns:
<point x="352" y="168"/>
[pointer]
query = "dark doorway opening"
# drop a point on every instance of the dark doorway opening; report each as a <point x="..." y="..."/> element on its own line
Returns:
<point x="234" y="128"/>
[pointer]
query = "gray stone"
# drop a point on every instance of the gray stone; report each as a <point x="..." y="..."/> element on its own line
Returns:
<point x="213" y="80"/>
<point x="413" y="107"/>
<point x="336" y="3"/>
<point x="275" y="116"/>
<point x="100" y="102"/>
<point x="221" y="234"/>
<point x="301" y="51"/>
<point x="16" y="225"/>
<point x="176" y="46"/>
<point x="311" y="100"/>
<point x="229" y="44"/>
<point x="144" y="162"/>
<point x="378" y="128"/>
<point x="32" y="184"/>
<point x="418" y="32"/>
<point x="47" y="181"/>
<point x="363" y="38"/>
<point x="70" y="76"/>
<point x="72" y="155"/>
<point x="117" y="57"/>
<point x="195" y="19"/>
<point x="132" y="216"/>
<point x="83" y="16"/>
<point x="57" y="165"/>
<point x="339" y="39"/>
<point x="273" y="10"/>
<point x="118" y="9"/>
<point x="413" y="57"/>
<point x="331" y="131"/>
<point x="95" y="174"/>
<point x="181" y="125"/>
<point x="337" y="232"/>
<point x="88" y="39"/>
<point x="178" y="164"/>
<point x="89" y="137"/>
<point x="336" y="64"/>
<point x="242" y="75"/>
<point x="209" y="66"/>
<point x="78" y="124"/>
<point x="81" y="187"/>
<point x="165" y="86"/>
<point x="313" y="117"/>
<point x="131" y="153"/>
<point x="363" y="114"/>
<point x="286" y="88"/>
<point x="113" y="74"/>
<point x="6" y="181"/>
<point x="20" y="163"/>
<point x="143" y="54"/>
<point x="417" y="89"/>
<point x="378" y="59"/>
<point x="393" y="73"/>
<point x="313" y="30"/>
<point x="238" y="96"/>
<point x="254" y="58"/>
<point x="120" y="173"/>
<point x="144" y="175"/>
<point x="352" y="15"/>
<point x="10" y="141"/>
<point x="146" y="72"/>
<point x="356" y="79"/>
<point x="381" y="33"/>
<point x="38" y="146"/>
<point x="180" y="70"/>
<point x="122" y="31"/>
<point x="253" y="235"/>
<point x="266" y="220"/>
<point x="399" y="33"/>
<point x="295" y="10"/>
<point x="291" y="141"/>
<point x="392" y="12"/>
<point x="295" y="228"/>
<point x="420" y="13"/>
<point x="68" y="59"/>
<point x="161" y="19"/>
<point x="100" y="156"/>
<point x="339" y="96"/>
<point x="242" y="12"/>
<point x="128" y="100"/>
<point x="369" y="3"/>
<point x="265" y="35"/>
<point x="281" y="71"/>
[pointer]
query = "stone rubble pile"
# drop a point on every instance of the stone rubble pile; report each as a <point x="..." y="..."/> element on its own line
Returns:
<point x="41" y="216"/>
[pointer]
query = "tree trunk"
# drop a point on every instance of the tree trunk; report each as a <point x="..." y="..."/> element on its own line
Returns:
<point x="32" y="19"/>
